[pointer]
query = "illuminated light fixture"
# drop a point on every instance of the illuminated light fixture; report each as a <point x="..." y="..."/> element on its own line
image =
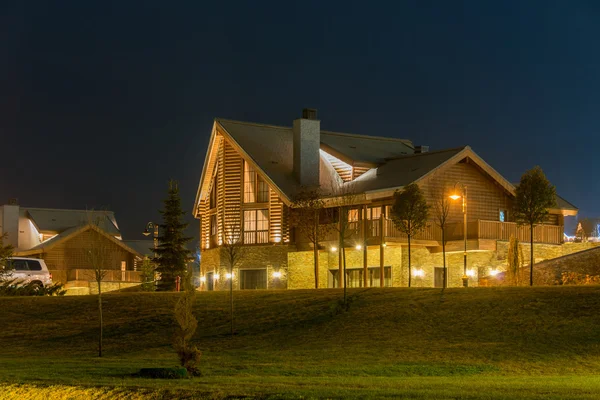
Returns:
<point x="216" y="276"/>
<point x="384" y="245"/>
<point x="494" y="272"/>
<point x="277" y="239"/>
<point x="228" y="275"/>
<point x="471" y="272"/>
<point x="419" y="273"/>
<point x="358" y="247"/>
<point x="334" y="249"/>
<point x="202" y="279"/>
<point x="455" y="196"/>
<point x="277" y="275"/>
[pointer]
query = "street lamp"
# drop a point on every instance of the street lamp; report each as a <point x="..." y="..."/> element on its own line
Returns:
<point x="151" y="226"/>
<point x="456" y="196"/>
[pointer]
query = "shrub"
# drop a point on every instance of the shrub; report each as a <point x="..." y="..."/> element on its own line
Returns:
<point x="17" y="288"/>
<point x="575" y="278"/>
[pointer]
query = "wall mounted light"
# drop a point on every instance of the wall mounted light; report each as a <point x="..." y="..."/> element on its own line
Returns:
<point x="216" y="276"/>
<point x="334" y="249"/>
<point x="277" y="275"/>
<point x="202" y="279"/>
<point x="358" y="247"/>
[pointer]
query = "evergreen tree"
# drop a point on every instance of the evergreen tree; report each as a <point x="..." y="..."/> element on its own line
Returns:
<point x="171" y="254"/>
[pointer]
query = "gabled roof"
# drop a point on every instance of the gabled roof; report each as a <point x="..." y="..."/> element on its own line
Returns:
<point x="270" y="148"/>
<point x="390" y="164"/>
<point x="144" y="247"/>
<point x="71" y="233"/>
<point x="57" y="220"/>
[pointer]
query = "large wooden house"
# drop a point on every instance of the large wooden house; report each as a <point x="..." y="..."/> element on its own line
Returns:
<point x="253" y="173"/>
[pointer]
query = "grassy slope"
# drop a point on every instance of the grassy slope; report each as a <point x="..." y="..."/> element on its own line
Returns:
<point x="417" y="343"/>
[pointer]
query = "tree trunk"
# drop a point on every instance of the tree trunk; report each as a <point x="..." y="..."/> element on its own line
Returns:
<point x="531" y="259"/>
<point x="316" y="249"/>
<point x="101" y="321"/>
<point x="409" y="269"/>
<point x="231" y="296"/>
<point x="445" y="283"/>
<point x="345" y="284"/>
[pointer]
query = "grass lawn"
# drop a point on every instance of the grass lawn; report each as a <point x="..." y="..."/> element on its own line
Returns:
<point x="476" y="343"/>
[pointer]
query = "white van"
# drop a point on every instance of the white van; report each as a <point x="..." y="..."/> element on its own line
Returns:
<point x="29" y="270"/>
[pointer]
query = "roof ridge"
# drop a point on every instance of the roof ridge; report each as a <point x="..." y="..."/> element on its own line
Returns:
<point x="367" y="136"/>
<point x="427" y="153"/>
<point x="327" y="132"/>
<point x="65" y="209"/>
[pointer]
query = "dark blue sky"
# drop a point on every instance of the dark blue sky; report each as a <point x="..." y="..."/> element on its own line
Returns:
<point x="102" y="102"/>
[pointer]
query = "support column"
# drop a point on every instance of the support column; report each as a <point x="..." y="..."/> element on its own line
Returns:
<point x="364" y="247"/>
<point x="381" y="251"/>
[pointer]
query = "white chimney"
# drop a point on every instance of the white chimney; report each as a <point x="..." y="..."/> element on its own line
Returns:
<point x="307" y="142"/>
<point x="10" y="224"/>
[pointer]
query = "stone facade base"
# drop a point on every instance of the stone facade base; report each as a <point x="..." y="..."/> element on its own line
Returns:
<point x="286" y="268"/>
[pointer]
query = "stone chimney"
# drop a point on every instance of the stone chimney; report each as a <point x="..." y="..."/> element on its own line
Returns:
<point x="307" y="142"/>
<point x="10" y="223"/>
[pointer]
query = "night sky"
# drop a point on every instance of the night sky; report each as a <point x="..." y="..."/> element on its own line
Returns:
<point x="102" y="102"/>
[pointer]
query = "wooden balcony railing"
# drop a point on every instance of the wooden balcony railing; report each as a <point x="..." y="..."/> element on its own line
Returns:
<point x="479" y="229"/>
<point x="111" y="275"/>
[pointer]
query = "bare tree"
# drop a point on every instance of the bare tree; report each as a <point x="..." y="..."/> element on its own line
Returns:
<point x="306" y="216"/>
<point x="343" y="203"/>
<point x="441" y="210"/>
<point x="98" y="254"/>
<point x="5" y="253"/>
<point x="232" y="249"/>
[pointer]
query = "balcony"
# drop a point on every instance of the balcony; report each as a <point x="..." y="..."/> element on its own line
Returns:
<point x="431" y="235"/>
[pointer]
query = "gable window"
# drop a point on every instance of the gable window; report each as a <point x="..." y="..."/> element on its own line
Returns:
<point x="213" y="196"/>
<point x="503" y="216"/>
<point x="213" y="225"/>
<point x="256" y="226"/>
<point x="256" y="189"/>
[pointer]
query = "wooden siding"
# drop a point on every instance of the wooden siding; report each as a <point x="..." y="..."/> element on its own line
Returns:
<point x="229" y="180"/>
<point x="485" y="199"/>
<point x="358" y="171"/>
<point x="71" y="254"/>
<point x="232" y="192"/>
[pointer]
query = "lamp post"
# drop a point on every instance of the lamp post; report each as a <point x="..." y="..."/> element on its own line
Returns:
<point x="456" y="196"/>
<point x="151" y="226"/>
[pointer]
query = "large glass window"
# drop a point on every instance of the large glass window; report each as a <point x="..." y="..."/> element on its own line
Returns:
<point x="256" y="226"/>
<point x="253" y="279"/>
<point x="256" y="190"/>
<point x="213" y="196"/>
<point x="213" y="224"/>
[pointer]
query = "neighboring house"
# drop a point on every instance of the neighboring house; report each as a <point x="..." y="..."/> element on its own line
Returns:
<point x="62" y="237"/>
<point x="253" y="172"/>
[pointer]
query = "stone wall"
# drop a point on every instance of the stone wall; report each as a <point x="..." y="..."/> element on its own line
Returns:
<point x="297" y="271"/>
<point x="273" y="258"/>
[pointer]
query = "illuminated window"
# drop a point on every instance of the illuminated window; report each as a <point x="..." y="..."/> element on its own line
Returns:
<point x="213" y="225"/>
<point x="355" y="277"/>
<point x="373" y="215"/>
<point x="503" y="216"/>
<point x="256" y="190"/>
<point x="353" y="215"/>
<point x="256" y="226"/>
<point x="213" y="196"/>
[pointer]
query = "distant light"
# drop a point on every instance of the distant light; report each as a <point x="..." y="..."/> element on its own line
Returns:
<point x="494" y="272"/>
<point x="455" y="197"/>
<point x="418" y="273"/>
<point x="228" y="275"/>
<point x="358" y="247"/>
<point x="216" y="276"/>
<point x="471" y="272"/>
<point x="277" y="275"/>
<point x="202" y="279"/>
<point x="334" y="249"/>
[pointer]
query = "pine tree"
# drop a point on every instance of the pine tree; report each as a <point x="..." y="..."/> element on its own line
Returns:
<point x="171" y="254"/>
